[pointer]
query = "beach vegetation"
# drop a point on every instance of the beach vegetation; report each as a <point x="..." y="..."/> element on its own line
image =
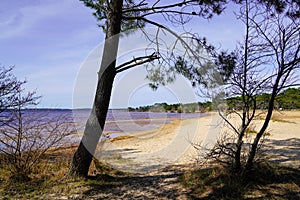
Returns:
<point x="267" y="182"/>
<point x="266" y="64"/>
<point x="120" y="18"/>
<point x="25" y="135"/>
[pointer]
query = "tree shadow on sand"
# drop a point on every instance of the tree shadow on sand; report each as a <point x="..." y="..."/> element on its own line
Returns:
<point x="278" y="177"/>
<point x="157" y="185"/>
<point x="267" y="181"/>
<point x="264" y="182"/>
<point x="283" y="152"/>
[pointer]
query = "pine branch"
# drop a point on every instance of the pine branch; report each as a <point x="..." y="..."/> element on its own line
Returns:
<point x="136" y="62"/>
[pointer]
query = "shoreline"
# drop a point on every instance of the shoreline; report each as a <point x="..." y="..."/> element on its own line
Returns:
<point x="171" y="143"/>
<point x="149" y="150"/>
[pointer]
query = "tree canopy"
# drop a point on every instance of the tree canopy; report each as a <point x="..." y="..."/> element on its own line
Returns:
<point x="125" y="16"/>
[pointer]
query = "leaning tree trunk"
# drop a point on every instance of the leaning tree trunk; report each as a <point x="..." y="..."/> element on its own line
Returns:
<point x="95" y="124"/>
<point x="264" y="127"/>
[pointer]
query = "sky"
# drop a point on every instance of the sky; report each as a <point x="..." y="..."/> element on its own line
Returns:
<point x="56" y="46"/>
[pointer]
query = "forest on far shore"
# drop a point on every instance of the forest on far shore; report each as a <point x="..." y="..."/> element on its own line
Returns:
<point x="289" y="99"/>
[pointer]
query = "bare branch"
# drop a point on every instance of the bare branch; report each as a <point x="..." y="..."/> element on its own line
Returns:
<point x="137" y="61"/>
<point x="154" y="8"/>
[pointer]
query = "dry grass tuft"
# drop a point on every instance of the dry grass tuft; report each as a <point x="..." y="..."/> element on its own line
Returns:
<point x="264" y="182"/>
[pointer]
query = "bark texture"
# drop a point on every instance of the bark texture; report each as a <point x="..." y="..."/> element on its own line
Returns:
<point x="95" y="124"/>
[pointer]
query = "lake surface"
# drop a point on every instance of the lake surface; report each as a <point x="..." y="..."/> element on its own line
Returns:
<point x="124" y="121"/>
<point x="117" y="121"/>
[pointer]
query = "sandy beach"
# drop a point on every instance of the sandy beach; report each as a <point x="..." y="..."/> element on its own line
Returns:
<point x="172" y="143"/>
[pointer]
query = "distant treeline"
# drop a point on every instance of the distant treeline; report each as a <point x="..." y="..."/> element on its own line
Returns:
<point x="287" y="100"/>
<point x="179" y="108"/>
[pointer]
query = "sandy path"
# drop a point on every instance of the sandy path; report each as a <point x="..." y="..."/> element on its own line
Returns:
<point x="283" y="145"/>
<point x="171" y="144"/>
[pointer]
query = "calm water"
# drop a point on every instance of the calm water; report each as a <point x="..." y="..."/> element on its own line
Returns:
<point x="124" y="121"/>
<point x="116" y="121"/>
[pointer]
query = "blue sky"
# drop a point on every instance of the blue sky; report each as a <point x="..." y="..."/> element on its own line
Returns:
<point x="49" y="40"/>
